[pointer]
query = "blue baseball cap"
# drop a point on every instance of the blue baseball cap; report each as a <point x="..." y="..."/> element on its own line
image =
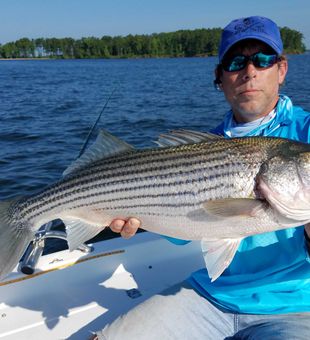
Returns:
<point x="254" y="27"/>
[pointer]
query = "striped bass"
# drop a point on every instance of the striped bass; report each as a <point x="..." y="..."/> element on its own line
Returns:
<point x="194" y="187"/>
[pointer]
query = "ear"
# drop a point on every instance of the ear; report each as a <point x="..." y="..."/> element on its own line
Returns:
<point x="218" y="78"/>
<point x="282" y="69"/>
<point x="218" y="74"/>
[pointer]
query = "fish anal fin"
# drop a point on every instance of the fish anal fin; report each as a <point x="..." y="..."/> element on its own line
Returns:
<point x="218" y="255"/>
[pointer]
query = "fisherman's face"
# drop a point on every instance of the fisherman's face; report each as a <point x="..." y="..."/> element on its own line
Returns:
<point x="252" y="92"/>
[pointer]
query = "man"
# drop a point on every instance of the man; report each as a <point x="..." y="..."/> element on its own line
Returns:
<point x="265" y="292"/>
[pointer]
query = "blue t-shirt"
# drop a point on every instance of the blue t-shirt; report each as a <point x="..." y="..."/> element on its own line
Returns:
<point x="270" y="272"/>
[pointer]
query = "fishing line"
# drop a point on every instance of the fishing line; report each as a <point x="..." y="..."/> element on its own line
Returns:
<point x="96" y="122"/>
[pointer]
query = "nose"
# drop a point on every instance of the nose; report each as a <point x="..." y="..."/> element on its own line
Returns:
<point x="249" y="71"/>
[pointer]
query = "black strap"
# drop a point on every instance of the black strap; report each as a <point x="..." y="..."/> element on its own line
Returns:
<point x="307" y="239"/>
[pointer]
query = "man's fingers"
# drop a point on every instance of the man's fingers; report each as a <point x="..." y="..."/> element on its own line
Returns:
<point x="117" y="225"/>
<point x="127" y="228"/>
<point x="130" y="227"/>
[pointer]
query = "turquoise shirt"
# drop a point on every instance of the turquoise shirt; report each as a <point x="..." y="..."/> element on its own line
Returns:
<point x="270" y="272"/>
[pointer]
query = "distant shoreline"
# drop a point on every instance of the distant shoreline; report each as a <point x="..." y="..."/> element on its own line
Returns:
<point x="26" y="58"/>
<point x="182" y="43"/>
<point x="131" y="57"/>
<point x="112" y="58"/>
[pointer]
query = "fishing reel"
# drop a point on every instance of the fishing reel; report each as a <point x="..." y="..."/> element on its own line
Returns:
<point x="36" y="247"/>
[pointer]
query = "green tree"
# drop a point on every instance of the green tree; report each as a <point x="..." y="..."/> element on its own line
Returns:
<point x="25" y="47"/>
<point x="182" y="43"/>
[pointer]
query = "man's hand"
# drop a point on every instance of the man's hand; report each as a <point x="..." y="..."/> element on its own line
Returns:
<point x="126" y="227"/>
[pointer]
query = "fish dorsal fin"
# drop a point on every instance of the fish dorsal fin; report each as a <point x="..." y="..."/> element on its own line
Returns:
<point x="179" y="137"/>
<point x="105" y="145"/>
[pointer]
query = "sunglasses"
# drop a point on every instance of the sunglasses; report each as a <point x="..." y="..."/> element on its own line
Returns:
<point x="259" y="60"/>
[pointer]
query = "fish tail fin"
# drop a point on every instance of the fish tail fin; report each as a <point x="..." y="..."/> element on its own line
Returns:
<point x="14" y="238"/>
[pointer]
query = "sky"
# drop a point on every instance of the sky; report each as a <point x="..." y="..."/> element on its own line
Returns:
<point x="84" y="18"/>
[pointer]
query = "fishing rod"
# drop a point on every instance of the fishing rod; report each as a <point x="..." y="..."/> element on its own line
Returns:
<point x="96" y="122"/>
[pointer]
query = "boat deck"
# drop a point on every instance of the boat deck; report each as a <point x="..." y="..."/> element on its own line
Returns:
<point x="71" y="293"/>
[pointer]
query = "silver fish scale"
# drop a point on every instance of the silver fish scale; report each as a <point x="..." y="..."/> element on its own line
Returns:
<point x="151" y="180"/>
<point x="175" y="191"/>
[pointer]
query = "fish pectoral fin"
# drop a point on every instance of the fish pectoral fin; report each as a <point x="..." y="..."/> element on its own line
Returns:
<point x="105" y="145"/>
<point x="218" y="255"/>
<point x="82" y="225"/>
<point x="235" y="207"/>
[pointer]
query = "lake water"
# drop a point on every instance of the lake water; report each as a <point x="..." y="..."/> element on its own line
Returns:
<point x="48" y="106"/>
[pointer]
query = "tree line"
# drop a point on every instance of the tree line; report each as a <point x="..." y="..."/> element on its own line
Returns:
<point x="182" y="43"/>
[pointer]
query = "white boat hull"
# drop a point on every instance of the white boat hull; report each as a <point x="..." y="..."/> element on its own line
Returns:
<point x="72" y="294"/>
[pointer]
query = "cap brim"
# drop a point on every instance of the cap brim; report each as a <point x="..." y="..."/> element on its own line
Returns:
<point x="265" y="40"/>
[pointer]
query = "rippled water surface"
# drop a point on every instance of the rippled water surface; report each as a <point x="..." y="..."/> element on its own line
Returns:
<point x="48" y="106"/>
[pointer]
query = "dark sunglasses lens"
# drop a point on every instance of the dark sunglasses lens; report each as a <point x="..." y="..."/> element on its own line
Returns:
<point x="237" y="63"/>
<point x="263" y="60"/>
